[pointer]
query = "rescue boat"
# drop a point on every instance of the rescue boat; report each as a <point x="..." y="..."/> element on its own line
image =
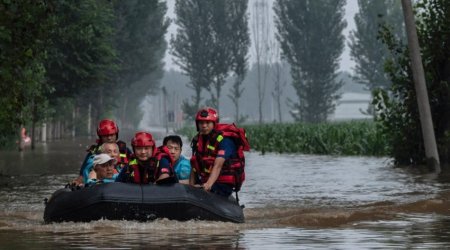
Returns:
<point x="126" y="201"/>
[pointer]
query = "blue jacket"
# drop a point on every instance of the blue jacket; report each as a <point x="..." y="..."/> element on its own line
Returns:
<point x="92" y="182"/>
<point x="87" y="166"/>
<point x="182" y="168"/>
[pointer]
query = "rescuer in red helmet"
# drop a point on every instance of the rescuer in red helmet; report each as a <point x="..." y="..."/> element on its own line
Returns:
<point x="107" y="132"/>
<point x="150" y="164"/>
<point x="217" y="154"/>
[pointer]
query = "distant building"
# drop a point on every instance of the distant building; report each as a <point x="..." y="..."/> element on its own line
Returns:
<point x="351" y="107"/>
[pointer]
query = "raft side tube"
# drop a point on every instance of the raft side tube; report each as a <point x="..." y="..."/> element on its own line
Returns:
<point x="125" y="201"/>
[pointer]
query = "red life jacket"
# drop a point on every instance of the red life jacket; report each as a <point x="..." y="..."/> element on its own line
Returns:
<point x="205" y="152"/>
<point x="149" y="171"/>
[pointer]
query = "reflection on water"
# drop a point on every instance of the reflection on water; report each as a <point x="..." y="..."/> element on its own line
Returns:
<point x="292" y="202"/>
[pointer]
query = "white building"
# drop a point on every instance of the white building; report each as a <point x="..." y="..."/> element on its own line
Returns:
<point x="351" y="107"/>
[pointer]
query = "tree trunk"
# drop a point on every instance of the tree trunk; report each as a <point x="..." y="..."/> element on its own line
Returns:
<point x="44" y="132"/>
<point x="20" y="143"/>
<point x="33" y="125"/>
<point x="73" y="121"/>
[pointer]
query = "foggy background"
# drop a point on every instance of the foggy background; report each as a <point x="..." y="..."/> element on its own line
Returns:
<point x="354" y="99"/>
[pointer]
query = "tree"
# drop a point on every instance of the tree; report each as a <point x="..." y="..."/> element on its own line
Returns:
<point x="311" y="39"/>
<point x="191" y="48"/>
<point x="366" y="49"/>
<point x="139" y="40"/>
<point x="24" y="28"/>
<point x="279" y="82"/>
<point x="262" y="43"/>
<point x="221" y="58"/>
<point x="397" y="110"/>
<point x="81" y="57"/>
<point x="240" y="43"/>
<point x="203" y="45"/>
<point x="81" y="53"/>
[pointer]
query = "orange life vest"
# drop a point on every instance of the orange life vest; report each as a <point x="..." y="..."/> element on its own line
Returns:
<point x="205" y="150"/>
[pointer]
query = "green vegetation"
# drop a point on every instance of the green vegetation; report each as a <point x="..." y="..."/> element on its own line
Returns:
<point x="62" y="61"/>
<point x="366" y="48"/>
<point x="397" y="108"/>
<point x="343" y="138"/>
<point x="337" y="138"/>
<point x="212" y="41"/>
<point x="311" y="40"/>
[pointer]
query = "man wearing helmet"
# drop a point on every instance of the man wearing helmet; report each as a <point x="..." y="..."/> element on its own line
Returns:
<point x="107" y="132"/>
<point x="214" y="156"/>
<point x="150" y="164"/>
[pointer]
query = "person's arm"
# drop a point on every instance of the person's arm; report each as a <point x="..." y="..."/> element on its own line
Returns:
<point x="192" y="178"/>
<point x="79" y="180"/>
<point x="164" y="169"/>
<point x="184" y="171"/>
<point x="90" y="182"/>
<point x="92" y="174"/>
<point x="225" y="149"/>
<point x="215" y="172"/>
<point x="185" y="181"/>
<point x="122" y="176"/>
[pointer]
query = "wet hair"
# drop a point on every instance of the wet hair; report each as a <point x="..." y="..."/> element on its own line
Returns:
<point x="173" y="138"/>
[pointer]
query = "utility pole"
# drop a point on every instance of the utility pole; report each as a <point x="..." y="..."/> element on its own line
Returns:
<point x="426" y="120"/>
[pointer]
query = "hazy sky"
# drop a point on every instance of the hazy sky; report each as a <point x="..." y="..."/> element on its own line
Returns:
<point x="346" y="64"/>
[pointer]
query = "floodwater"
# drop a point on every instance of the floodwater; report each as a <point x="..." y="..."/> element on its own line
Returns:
<point x="292" y="202"/>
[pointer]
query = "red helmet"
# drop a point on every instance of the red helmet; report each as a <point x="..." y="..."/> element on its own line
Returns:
<point x="107" y="127"/>
<point x="142" y="139"/>
<point x="207" y="114"/>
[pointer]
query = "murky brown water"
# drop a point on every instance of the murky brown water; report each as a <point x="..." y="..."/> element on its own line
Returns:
<point x="292" y="202"/>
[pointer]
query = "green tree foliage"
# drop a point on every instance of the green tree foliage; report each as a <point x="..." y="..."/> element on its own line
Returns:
<point x="81" y="53"/>
<point x="81" y="57"/>
<point x="240" y="43"/>
<point x="310" y="34"/>
<point x="192" y="46"/>
<point x="204" y="43"/>
<point x="397" y="109"/>
<point x="264" y="46"/>
<point x="220" y="59"/>
<point x="24" y="28"/>
<point x="59" y="56"/>
<point x="139" y="40"/>
<point x="366" y="49"/>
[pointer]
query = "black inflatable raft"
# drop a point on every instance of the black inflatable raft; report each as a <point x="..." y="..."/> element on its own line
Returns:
<point x="124" y="201"/>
